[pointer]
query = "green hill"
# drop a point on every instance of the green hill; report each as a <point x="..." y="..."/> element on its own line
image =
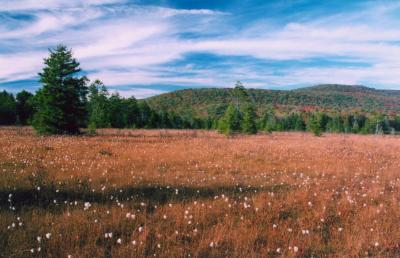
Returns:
<point x="329" y="97"/>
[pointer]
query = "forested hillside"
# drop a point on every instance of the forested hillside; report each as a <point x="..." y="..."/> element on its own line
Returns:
<point x="332" y="97"/>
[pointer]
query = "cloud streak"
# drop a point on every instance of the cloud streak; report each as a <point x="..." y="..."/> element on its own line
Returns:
<point x="126" y="44"/>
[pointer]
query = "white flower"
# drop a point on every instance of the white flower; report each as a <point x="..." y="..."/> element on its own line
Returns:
<point x="39" y="239"/>
<point x="376" y="244"/>
<point x="140" y="229"/>
<point x="48" y="235"/>
<point x="133" y="242"/>
<point x="295" y="249"/>
<point x="119" y="241"/>
<point x="212" y="244"/>
<point x="87" y="206"/>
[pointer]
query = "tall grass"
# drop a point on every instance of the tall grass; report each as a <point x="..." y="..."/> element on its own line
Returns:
<point x="142" y="193"/>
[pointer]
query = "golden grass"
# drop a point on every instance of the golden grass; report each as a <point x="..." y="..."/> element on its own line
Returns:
<point x="170" y="193"/>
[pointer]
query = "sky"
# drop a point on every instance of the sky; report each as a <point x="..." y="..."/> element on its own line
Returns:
<point x="144" y="48"/>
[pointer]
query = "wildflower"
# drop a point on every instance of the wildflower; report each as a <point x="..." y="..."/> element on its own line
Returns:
<point x="140" y="229"/>
<point x="119" y="241"/>
<point x="133" y="242"/>
<point x="39" y="239"/>
<point x="295" y="249"/>
<point x="376" y="244"/>
<point x="212" y="244"/>
<point x="87" y="206"/>
<point x="48" y="235"/>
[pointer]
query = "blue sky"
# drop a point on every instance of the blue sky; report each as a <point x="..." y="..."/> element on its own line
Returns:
<point x="143" y="48"/>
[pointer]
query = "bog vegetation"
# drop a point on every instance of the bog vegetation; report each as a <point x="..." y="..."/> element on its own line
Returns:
<point x="186" y="193"/>
<point x="69" y="101"/>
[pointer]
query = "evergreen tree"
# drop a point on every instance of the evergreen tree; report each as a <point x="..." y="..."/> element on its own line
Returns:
<point x="61" y="102"/>
<point x="239" y="94"/>
<point x="231" y="121"/>
<point x="314" y="125"/>
<point x="335" y="124"/>
<point x="8" y="114"/>
<point x="116" y="110"/>
<point x="131" y="112"/>
<point x="269" y="121"/>
<point x="99" y="113"/>
<point x="249" y="120"/>
<point x="24" y="107"/>
<point x="144" y="114"/>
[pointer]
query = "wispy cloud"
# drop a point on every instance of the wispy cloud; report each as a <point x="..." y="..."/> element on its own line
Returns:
<point x="125" y="43"/>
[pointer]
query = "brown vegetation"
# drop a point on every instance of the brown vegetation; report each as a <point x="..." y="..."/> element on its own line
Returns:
<point x="135" y="193"/>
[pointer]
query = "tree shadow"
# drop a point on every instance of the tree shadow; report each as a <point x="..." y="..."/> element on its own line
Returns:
<point x="49" y="197"/>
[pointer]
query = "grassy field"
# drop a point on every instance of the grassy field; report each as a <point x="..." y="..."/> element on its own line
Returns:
<point x="138" y="193"/>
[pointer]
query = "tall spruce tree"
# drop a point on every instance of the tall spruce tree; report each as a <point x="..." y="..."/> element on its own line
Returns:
<point x="231" y="121"/>
<point x="24" y="107"/>
<point x="8" y="112"/>
<point x="99" y="113"/>
<point x="61" y="101"/>
<point x="249" y="120"/>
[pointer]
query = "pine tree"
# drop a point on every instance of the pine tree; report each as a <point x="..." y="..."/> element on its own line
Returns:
<point x="314" y="125"/>
<point x="269" y="121"/>
<point x="239" y="94"/>
<point x="24" y="107"/>
<point x="249" y="120"/>
<point x="99" y="114"/>
<point x="8" y="112"/>
<point x="61" y="103"/>
<point x="231" y="121"/>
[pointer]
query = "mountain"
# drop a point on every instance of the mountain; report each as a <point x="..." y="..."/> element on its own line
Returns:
<point x="327" y="97"/>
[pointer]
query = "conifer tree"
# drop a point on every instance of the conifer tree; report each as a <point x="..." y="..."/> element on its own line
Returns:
<point x="231" y="121"/>
<point x="8" y="112"/>
<point x="314" y="125"/>
<point x="99" y="113"/>
<point x="24" y="107"/>
<point x="249" y="120"/>
<point x="61" y="102"/>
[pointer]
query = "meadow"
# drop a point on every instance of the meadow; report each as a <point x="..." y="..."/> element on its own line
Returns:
<point x="188" y="193"/>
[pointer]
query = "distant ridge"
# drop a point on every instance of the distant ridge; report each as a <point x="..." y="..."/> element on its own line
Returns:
<point x="327" y="97"/>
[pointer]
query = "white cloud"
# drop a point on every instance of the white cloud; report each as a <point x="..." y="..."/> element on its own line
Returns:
<point x="23" y="5"/>
<point x="132" y="45"/>
<point x="140" y="93"/>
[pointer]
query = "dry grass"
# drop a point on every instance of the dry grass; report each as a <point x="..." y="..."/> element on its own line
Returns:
<point x="199" y="194"/>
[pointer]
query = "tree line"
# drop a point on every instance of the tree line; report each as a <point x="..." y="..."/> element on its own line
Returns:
<point x="68" y="101"/>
